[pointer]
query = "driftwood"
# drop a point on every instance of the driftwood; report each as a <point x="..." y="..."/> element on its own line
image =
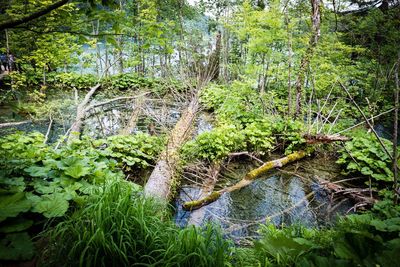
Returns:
<point x="84" y="107"/>
<point x="337" y="189"/>
<point x="133" y="117"/>
<point x="10" y="124"/>
<point x="248" y="179"/>
<point x="320" y="138"/>
<point x="197" y="216"/>
<point x="160" y="180"/>
<point x="81" y="110"/>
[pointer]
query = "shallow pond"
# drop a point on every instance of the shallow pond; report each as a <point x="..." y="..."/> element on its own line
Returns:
<point x="281" y="197"/>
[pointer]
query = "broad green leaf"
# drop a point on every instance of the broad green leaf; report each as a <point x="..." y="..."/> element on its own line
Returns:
<point x="12" y="205"/>
<point x="37" y="171"/>
<point x="15" y="225"/>
<point x="77" y="170"/>
<point x="17" y="246"/>
<point x="54" y="205"/>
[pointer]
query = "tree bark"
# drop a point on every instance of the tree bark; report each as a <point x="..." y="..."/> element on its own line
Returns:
<point x="133" y="118"/>
<point x="248" y="179"/>
<point x="395" y="128"/>
<point x="305" y="61"/>
<point x="162" y="177"/>
<point x="81" y="110"/>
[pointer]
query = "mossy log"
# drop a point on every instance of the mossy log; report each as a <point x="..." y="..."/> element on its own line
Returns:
<point x="248" y="179"/>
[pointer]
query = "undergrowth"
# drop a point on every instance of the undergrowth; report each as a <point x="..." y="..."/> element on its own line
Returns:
<point x="119" y="227"/>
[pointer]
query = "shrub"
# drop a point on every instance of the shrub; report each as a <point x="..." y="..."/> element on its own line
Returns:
<point x="370" y="158"/>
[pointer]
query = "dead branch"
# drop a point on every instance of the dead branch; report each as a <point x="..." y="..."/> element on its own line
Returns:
<point x="321" y="138"/>
<point x="355" y="194"/>
<point x="10" y="124"/>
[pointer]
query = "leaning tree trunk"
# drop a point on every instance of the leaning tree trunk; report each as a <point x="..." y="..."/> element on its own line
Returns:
<point x="81" y="110"/>
<point x="130" y="126"/>
<point x="305" y="61"/>
<point x="161" y="179"/>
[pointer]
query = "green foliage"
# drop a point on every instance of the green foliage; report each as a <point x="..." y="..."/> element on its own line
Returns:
<point x="237" y="103"/>
<point x="134" y="151"/>
<point x="128" y="81"/>
<point x="75" y="80"/>
<point x="120" y="228"/>
<point x="369" y="239"/>
<point x="215" y="144"/>
<point x="38" y="180"/>
<point x="363" y="154"/>
<point x="259" y="136"/>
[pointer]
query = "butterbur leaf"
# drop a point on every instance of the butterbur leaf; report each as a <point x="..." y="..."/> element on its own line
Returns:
<point x="37" y="171"/>
<point x="77" y="171"/>
<point x="15" y="225"/>
<point x="12" y="205"/>
<point x="16" y="246"/>
<point x="54" y="205"/>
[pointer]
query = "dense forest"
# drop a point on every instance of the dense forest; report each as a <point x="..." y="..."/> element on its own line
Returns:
<point x="199" y="133"/>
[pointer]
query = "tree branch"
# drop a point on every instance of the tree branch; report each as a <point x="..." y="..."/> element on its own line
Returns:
<point x="15" y="22"/>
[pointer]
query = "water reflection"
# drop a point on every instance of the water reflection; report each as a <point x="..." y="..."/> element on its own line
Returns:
<point x="280" y="199"/>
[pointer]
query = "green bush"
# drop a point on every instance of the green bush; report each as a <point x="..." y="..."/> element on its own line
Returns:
<point x="370" y="158"/>
<point x="126" y="81"/>
<point x="119" y="227"/>
<point x="215" y="144"/>
<point x="75" y="80"/>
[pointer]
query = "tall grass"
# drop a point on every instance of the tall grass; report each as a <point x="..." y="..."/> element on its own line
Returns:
<point x="121" y="228"/>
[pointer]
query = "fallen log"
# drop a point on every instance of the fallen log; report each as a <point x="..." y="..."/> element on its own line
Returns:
<point x="248" y="179"/>
<point x="161" y="179"/>
<point x="322" y="139"/>
<point x="10" y="124"/>
<point x="81" y="110"/>
<point x="197" y="216"/>
<point x="133" y="117"/>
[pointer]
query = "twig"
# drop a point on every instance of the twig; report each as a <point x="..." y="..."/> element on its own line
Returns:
<point x="246" y="154"/>
<point x="358" y="124"/>
<point x="367" y="121"/>
<point x="48" y="130"/>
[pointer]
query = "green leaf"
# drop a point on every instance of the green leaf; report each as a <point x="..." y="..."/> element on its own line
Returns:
<point x="15" y="225"/>
<point x="37" y="171"/>
<point x="17" y="246"/>
<point x="54" y="205"/>
<point x="12" y="205"/>
<point x="77" y="171"/>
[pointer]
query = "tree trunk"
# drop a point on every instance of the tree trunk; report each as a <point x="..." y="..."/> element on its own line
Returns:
<point x="133" y="118"/>
<point x="395" y="128"/>
<point x="76" y="127"/>
<point x="305" y="61"/>
<point x="161" y="179"/>
<point x="213" y="66"/>
<point x="248" y="179"/>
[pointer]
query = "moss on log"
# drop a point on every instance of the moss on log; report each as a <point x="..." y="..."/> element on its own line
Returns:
<point x="249" y="177"/>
